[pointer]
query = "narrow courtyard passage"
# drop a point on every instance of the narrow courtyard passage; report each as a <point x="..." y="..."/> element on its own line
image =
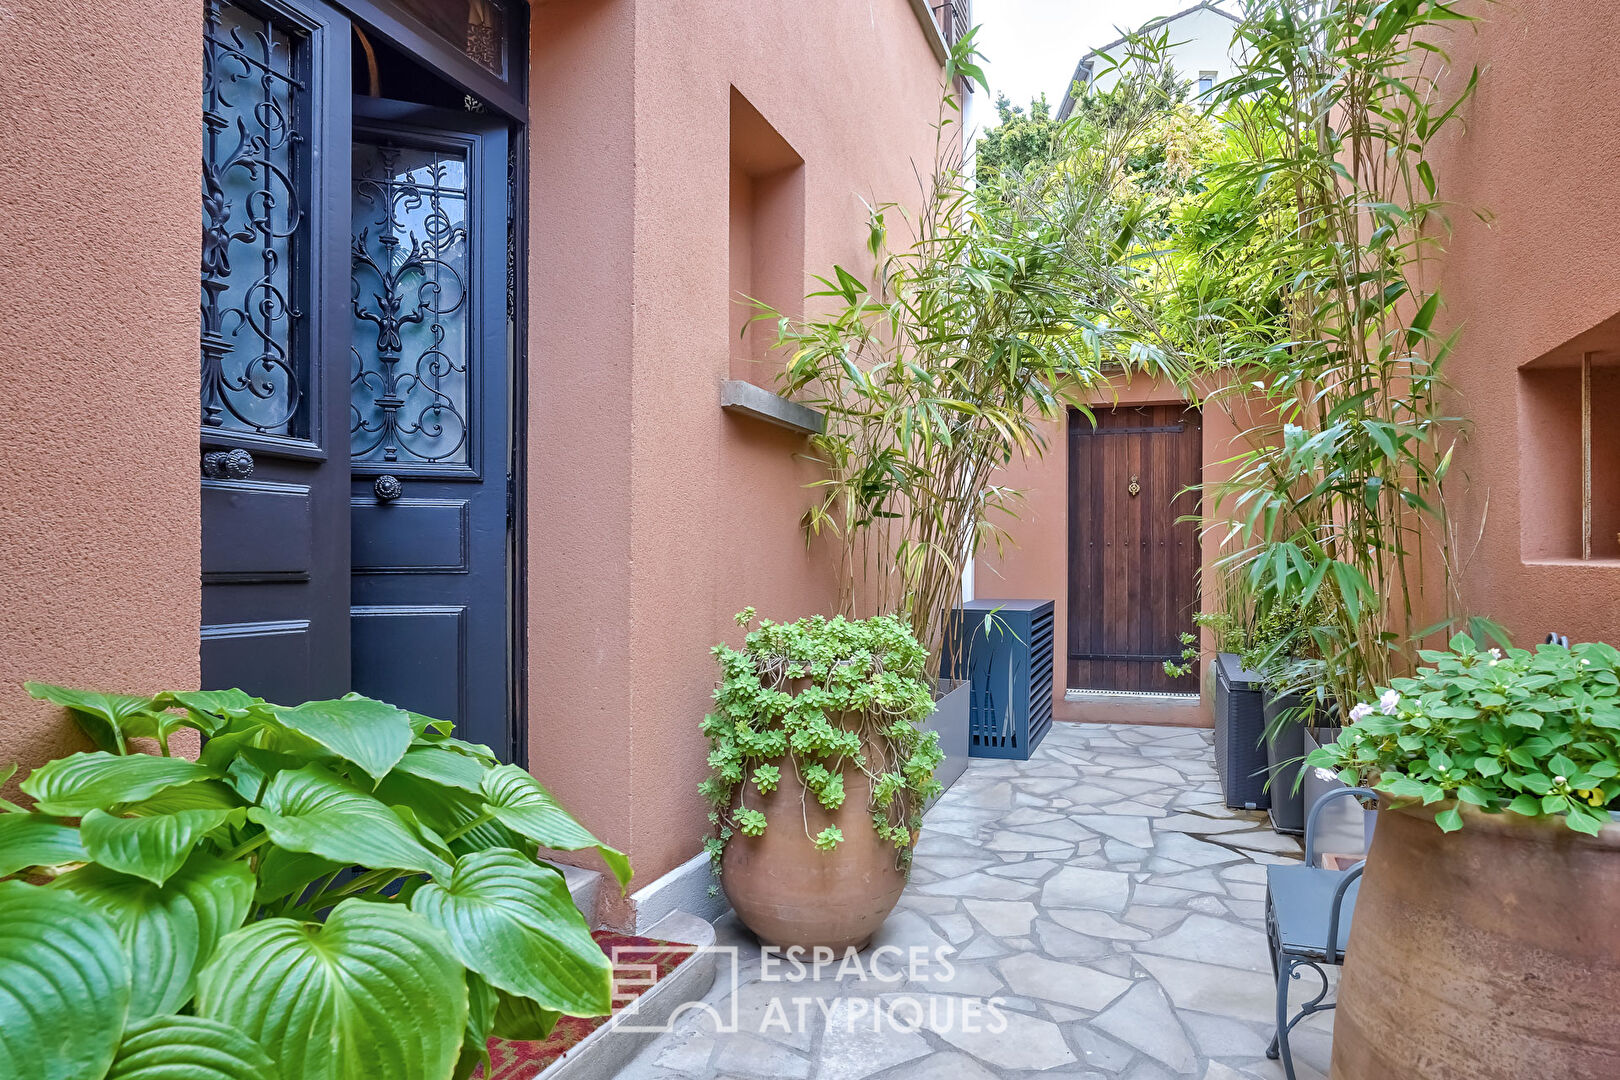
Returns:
<point x="1093" y="912"/>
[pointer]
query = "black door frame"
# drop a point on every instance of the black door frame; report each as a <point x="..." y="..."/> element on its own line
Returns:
<point x="509" y="98"/>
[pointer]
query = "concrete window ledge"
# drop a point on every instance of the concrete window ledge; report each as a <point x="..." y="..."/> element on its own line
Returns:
<point x="746" y="399"/>
<point x="930" y="28"/>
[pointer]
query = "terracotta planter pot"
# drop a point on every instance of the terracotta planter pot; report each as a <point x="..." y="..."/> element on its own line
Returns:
<point x="788" y="893"/>
<point x="1492" y="953"/>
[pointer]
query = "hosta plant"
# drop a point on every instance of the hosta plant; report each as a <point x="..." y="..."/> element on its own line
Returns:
<point x="330" y="890"/>
<point x="1535" y="733"/>
<point x="822" y="696"/>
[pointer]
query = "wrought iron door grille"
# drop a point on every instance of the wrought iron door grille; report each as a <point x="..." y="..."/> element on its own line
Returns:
<point x="409" y="387"/>
<point x="254" y="234"/>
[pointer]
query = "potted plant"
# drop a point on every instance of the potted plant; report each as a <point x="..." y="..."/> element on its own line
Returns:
<point x="1489" y="898"/>
<point x="336" y="889"/>
<point x="818" y="775"/>
<point x="1240" y="761"/>
<point x="1281" y="649"/>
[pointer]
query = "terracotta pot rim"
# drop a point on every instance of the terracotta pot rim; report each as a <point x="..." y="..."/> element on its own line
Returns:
<point x="1507" y="822"/>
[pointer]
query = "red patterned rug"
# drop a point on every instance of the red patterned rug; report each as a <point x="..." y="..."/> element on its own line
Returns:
<point x="639" y="964"/>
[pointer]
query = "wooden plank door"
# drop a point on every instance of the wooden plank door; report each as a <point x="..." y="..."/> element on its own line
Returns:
<point x="1133" y="565"/>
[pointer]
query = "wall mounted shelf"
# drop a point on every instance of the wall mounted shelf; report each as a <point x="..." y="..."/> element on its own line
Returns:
<point x="746" y="399"/>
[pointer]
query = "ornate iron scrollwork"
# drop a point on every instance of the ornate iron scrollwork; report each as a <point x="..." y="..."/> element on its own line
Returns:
<point x="252" y="224"/>
<point x="227" y="464"/>
<point x="408" y="390"/>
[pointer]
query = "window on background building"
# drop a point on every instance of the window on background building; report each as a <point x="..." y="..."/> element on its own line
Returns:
<point x="1206" y="82"/>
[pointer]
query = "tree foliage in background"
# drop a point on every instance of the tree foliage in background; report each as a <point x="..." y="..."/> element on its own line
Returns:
<point x="1020" y="140"/>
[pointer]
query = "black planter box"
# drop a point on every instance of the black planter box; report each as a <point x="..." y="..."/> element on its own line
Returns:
<point x="1240" y="728"/>
<point x="1283" y="752"/>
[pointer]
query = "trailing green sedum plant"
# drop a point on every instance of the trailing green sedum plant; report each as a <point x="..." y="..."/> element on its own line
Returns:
<point x="1530" y="733"/>
<point x="818" y="696"/>
<point x="332" y="890"/>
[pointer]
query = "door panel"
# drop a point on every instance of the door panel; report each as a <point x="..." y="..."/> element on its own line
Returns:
<point x="274" y="371"/>
<point x="1133" y="566"/>
<point x="429" y="415"/>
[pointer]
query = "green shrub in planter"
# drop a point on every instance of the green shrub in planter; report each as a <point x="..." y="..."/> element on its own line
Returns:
<point x="814" y="695"/>
<point x="333" y="890"/>
<point x="1533" y="733"/>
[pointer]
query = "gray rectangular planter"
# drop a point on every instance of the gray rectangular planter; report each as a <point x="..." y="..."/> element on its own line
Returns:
<point x="1283" y="752"/>
<point x="950" y="718"/>
<point x="1345" y="827"/>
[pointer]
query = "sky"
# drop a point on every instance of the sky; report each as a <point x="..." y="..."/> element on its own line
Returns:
<point x="1032" y="46"/>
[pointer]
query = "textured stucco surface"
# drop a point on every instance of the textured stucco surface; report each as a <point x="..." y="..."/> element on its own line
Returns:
<point x="654" y="515"/>
<point x="1535" y="155"/>
<point x="99" y="234"/>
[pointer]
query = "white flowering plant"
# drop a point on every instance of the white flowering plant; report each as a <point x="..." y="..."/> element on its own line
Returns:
<point x="1535" y="733"/>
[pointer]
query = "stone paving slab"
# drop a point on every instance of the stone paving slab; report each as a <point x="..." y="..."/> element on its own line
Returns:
<point x="1093" y="913"/>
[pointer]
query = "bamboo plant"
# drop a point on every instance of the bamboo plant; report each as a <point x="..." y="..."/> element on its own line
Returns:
<point x="1337" y="498"/>
<point x="958" y="353"/>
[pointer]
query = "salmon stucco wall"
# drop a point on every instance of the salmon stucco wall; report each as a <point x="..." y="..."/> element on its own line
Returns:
<point x="99" y="539"/>
<point x="1530" y="277"/>
<point x="1035" y="562"/>
<point x="653" y="514"/>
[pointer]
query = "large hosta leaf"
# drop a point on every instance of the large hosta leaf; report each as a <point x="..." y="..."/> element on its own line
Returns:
<point x="511" y="920"/>
<point x="211" y="710"/>
<point x="152" y="847"/>
<point x="189" y="1048"/>
<point x="521" y="1019"/>
<point x="522" y="805"/>
<point x="64" y="985"/>
<point x="103" y="717"/>
<point x="170" y="932"/>
<point x="449" y="810"/>
<point x="36" y="840"/>
<point x="283" y="873"/>
<point x="77" y="784"/>
<point x="203" y="795"/>
<point x="311" y="810"/>
<point x="372" y="734"/>
<point x="445" y="767"/>
<point x="376" y="991"/>
<point x="475" y="1036"/>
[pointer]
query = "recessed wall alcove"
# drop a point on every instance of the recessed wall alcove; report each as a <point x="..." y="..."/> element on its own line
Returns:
<point x="767" y="237"/>
<point x="1569" y="451"/>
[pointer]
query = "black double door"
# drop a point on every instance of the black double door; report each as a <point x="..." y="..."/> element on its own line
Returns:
<point x="356" y="389"/>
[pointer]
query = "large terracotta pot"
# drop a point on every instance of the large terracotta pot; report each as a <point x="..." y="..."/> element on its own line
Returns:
<point x="789" y="893"/>
<point x="1492" y="953"/>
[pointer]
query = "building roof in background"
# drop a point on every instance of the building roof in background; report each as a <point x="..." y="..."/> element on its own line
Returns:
<point x="1082" y="70"/>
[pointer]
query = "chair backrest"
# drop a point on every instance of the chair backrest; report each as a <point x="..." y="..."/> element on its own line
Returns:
<point x="1316" y="810"/>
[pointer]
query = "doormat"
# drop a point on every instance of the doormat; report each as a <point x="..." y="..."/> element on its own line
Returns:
<point x="642" y="963"/>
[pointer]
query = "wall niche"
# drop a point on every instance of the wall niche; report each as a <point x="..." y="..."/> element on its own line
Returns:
<point x="767" y="237"/>
<point x="1569" y="450"/>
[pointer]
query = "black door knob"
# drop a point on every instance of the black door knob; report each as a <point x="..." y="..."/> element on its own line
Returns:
<point x="227" y="464"/>
<point x="388" y="488"/>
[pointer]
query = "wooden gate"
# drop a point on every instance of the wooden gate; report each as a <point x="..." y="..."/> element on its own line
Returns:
<point x="1133" y="563"/>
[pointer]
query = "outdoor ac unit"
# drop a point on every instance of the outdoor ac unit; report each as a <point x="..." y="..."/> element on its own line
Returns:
<point x="1004" y="648"/>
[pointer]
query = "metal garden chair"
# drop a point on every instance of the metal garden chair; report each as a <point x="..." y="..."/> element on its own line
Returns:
<point x="1308" y="911"/>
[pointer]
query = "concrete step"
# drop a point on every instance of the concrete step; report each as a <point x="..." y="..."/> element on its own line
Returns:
<point x="608" y="1049"/>
<point x="585" y="886"/>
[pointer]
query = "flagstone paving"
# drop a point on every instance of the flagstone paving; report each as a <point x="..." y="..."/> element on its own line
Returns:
<point x="1102" y="915"/>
